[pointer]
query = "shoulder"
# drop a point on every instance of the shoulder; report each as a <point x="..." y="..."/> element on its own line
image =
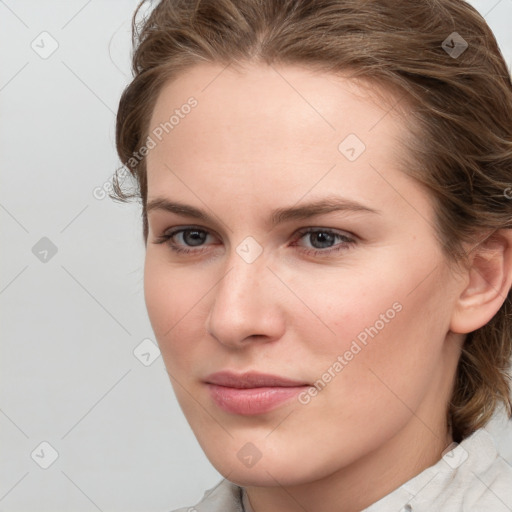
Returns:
<point x="472" y="476"/>
<point x="223" y="497"/>
<point x="485" y="480"/>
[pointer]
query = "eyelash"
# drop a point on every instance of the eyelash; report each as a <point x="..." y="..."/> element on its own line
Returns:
<point x="347" y="241"/>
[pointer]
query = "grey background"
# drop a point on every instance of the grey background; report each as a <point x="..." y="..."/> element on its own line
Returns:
<point x="73" y="371"/>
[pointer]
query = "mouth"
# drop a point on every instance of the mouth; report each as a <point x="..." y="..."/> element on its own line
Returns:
<point x="251" y="393"/>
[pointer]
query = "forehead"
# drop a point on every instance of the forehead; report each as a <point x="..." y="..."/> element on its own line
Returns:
<point x="292" y="101"/>
<point x="289" y="125"/>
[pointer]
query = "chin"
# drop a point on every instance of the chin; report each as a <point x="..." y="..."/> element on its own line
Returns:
<point x="264" y="477"/>
<point x="267" y="471"/>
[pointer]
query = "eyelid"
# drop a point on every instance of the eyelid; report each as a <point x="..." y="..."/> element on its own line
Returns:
<point x="320" y="228"/>
<point x="188" y="227"/>
<point x="176" y="231"/>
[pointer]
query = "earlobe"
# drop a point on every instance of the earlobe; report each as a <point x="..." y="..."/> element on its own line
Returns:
<point x="486" y="284"/>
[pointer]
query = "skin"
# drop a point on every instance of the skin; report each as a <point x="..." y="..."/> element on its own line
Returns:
<point x="263" y="138"/>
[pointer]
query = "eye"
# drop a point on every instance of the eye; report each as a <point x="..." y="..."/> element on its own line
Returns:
<point x="314" y="241"/>
<point x="323" y="241"/>
<point x="184" y="240"/>
<point x="192" y="237"/>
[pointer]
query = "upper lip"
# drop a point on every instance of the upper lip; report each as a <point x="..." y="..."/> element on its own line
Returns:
<point x="250" y="380"/>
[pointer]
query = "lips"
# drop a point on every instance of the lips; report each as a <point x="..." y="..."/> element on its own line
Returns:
<point x="251" y="393"/>
<point x="251" y="380"/>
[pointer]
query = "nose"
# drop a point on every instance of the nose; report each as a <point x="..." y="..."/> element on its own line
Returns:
<point x="247" y="305"/>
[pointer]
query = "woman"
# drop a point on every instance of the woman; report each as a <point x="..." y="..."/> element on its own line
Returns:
<point x="325" y="192"/>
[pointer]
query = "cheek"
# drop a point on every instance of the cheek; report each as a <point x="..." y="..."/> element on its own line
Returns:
<point x="169" y="296"/>
<point x="392" y="349"/>
<point x="159" y="294"/>
<point x="387" y="324"/>
<point x="176" y="301"/>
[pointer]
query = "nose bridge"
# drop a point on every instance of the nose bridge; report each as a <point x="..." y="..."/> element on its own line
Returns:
<point x="242" y="284"/>
<point x="244" y="303"/>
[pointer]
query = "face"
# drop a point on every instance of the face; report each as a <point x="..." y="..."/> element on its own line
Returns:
<point x="284" y="240"/>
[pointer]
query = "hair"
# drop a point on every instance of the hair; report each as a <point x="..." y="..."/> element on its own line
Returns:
<point x="459" y="119"/>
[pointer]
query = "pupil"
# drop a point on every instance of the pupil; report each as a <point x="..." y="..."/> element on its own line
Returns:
<point x="194" y="237"/>
<point x="320" y="240"/>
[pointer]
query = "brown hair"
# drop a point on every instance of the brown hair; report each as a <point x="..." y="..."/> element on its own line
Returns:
<point x="460" y="118"/>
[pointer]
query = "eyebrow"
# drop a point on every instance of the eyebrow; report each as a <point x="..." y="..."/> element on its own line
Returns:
<point x="280" y="215"/>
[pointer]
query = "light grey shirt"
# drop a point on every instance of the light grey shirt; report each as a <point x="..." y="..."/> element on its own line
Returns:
<point x="472" y="476"/>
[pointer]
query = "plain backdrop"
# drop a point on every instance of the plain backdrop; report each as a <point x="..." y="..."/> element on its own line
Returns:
<point x="88" y="419"/>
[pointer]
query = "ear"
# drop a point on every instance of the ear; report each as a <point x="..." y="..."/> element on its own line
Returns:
<point x="488" y="279"/>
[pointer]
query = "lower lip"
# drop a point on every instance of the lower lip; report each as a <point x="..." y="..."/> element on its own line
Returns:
<point x="252" y="400"/>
